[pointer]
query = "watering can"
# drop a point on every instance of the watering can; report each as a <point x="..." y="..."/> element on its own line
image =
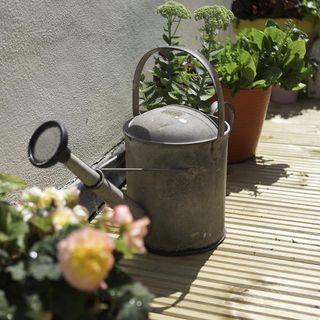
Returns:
<point x="176" y="159"/>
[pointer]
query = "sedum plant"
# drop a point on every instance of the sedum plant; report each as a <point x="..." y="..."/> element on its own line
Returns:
<point x="215" y="18"/>
<point x="177" y="77"/>
<point x="173" y="12"/>
<point x="55" y="265"/>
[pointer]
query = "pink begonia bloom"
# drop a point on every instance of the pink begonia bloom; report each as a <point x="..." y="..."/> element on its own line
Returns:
<point x="85" y="258"/>
<point x="120" y="215"/>
<point x="62" y="217"/>
<point x="134" y="235"/>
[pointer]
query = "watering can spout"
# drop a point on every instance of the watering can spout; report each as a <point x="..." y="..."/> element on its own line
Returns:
<point x="49" y="145"/>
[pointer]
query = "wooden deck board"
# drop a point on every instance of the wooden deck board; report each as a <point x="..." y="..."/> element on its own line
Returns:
<point x="268" y="267"/>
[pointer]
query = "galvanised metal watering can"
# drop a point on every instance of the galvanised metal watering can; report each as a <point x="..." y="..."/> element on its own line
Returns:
<point x="176" y="159"/>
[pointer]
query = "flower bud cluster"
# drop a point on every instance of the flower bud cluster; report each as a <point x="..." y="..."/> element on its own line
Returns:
<point x="173" y="9"/>
<point x="60" y="206"/>
<point x="214" y="17"/>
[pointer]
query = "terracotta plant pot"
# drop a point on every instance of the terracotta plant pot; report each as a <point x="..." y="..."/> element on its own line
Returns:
<point x="250" y="111"/>
<point x="280" y="95"/>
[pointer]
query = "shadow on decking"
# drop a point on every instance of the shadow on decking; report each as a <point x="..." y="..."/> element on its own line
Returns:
<point x="167" y="276"/>
<point x="252" y="173"/>
<point x="292" y="110"/>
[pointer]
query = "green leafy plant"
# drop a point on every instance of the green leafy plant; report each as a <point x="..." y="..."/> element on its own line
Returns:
<point x="55" y="265"/>
<point x="279" y="55"/>
<point x="260" y="59"/>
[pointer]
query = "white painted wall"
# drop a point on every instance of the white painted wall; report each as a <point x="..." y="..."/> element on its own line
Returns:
<point x="73" y="61"/>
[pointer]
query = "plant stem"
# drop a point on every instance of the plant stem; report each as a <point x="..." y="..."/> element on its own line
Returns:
<point x="203" y="80"/>
<point x="170" y="21"/>
<point x="175" y="31"/>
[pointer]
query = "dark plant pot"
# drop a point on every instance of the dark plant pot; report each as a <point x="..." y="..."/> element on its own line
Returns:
<point x="280" y="95"/>
<point x="250" y="111"/>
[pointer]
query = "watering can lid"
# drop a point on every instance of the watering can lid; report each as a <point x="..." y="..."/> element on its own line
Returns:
<point x="172" y="124"/>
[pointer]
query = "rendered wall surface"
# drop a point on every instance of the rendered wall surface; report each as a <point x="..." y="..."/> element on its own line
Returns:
<point x="73" y="61"/>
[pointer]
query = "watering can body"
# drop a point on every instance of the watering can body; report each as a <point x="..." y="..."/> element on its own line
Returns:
<point x="185" y="198"/>
<point x="186" y="206"/>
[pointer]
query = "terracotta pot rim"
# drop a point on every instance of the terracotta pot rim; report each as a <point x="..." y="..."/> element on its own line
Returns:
<point x="247" y="89"/>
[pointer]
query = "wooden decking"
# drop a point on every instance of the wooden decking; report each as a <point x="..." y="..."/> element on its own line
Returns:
<point x="269" y="265"/>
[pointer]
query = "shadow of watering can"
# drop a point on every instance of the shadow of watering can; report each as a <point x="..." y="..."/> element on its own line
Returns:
<point x="176" y="159"/>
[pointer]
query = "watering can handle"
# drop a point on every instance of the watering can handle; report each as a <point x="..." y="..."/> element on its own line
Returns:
<point x="205" y="63"/>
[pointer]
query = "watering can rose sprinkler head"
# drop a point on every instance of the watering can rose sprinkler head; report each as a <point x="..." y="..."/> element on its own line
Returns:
<point x="49" y="145"/>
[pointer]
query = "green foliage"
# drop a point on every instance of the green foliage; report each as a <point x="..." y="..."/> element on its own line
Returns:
<point x="176" y="77"/>
<point x="31" y="281"/>
<point x="130" y="300"/>
<point x="9" y="183"/>
<point x="310" y="10"/>
<point x="260" y="59"/>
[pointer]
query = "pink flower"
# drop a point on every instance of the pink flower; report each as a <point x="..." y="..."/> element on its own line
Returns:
<point x="120" y="215"/>
<point x="85" y="258"/>
<point x="134" y="235"/>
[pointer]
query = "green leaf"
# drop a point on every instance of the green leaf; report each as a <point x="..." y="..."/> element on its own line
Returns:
<point x="148" y="88"/>
<point x="17" y="271"/>
<point x="172" y="96"/>
<point x="10" y="183"/>
<point x="297" y="49"/>
<point x="271" y="23"/>
<point x="121" y="246"/>
<point x="44" y="267"/>
<point x="247" y="68"/>
<point x="192" y="92"/>
<point x="35" y="307"/>
<point x="18" y="230"/>
<point x="205" y="97"/>
<point x="178" y="89"/>
<point x="271" y="75"/>
<point x="164" y="81"/>
<point x="276" y="36"/>
<point x="259" y="84"/>
<point x="42" y="223"/>
<point x="254" y="39"/>
<point x="12" y="227"/>
<point x="65" y="302"/>
<point x="166" y="39"/>
<point x="6" y="311"/>
<point x="300" y="86"/>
